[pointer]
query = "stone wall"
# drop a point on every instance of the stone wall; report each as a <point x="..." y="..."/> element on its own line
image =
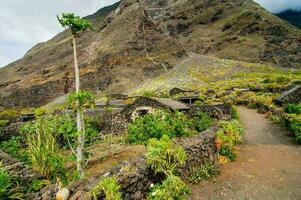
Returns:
<point x="135" y="177"/>
<point x="16" y="167"/>
<point x="9" y="131"/>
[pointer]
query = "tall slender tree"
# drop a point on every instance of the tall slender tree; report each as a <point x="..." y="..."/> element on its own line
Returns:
<point x="77" y="25"/>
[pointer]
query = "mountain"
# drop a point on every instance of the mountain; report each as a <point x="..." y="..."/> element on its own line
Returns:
<point x="292" y="16"/>
<point x="142" y="39"/>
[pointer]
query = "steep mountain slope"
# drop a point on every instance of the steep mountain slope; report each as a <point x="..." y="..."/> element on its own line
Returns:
<point x="292" y="16"/>
<point x="141" y="39"/>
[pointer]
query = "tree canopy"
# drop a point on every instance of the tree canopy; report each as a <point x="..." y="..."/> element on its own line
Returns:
<point x="74" y="22"/>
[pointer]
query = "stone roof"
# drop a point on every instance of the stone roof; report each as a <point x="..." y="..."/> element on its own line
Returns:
<point x="290" y="96"/>
<point x="173" y="104"/>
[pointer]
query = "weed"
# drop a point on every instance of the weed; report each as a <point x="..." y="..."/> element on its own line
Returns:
<point x="109" y="186"/>
<point x="204" y="172"/>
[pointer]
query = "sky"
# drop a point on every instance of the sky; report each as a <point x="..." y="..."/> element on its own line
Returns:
<point x="25" y="23"/>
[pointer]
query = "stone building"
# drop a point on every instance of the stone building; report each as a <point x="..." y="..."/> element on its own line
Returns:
<point x="117" y="123"/>
<point x="290" y="96"/>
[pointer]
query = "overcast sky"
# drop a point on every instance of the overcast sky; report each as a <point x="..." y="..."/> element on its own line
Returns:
<point x="27" y="22"/>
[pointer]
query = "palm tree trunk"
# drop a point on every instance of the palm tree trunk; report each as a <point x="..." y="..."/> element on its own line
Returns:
<point x="79" y="120"/>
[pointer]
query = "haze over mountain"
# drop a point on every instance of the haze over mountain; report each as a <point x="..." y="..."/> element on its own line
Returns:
<point x="142" y="39"/>
<point x="292" y="16"/>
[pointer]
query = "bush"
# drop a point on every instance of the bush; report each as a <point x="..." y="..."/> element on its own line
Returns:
<point x="165" y="156"/>
<point x="202" y="122"/>
<point x="149" y="94"/>
<point x="203" y="172"/>
<point x="9" y="114"/>
<point x="109" y="186"/>
<point x="294" y="124"/>
<point x="234" y="113"/>
<point x="158" y="124"/>
<point x="15" y="149"/>
<point x="42" y="111"/>
<point x="3" y="123"/>
<point x="172" y="188"/>
<point x="293" y="108"/>
<point x="9" y="186"/>
<point x="229" y="135"/>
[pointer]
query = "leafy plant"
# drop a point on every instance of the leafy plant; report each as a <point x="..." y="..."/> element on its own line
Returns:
<point x="9" y="114"/>
<point x="165" y="156"/>
<point x="293" y="108"/>
<point x="109" y="186"/>
<point x="149" y="93"/>
<point x="156" y="125"/>
<point x="172" y="188"/>
<point x="80" y="100"/>
<point x="37" y="184"/>
<point x="202" y="122"/>
<point x="14" y="148"/>
<point x="9" y="186"/>
<point x="203" y="172"/>
<point x="234" y="113"/>
<point x="293" y="123"/>
<point x="3" y="123"/>
<point x="229" y="135"/>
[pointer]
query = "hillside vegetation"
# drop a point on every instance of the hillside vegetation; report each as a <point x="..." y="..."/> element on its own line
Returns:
<point x="140" y="40"/>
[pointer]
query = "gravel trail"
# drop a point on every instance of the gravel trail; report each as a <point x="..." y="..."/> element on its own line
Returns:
<point x="268" y="165"/>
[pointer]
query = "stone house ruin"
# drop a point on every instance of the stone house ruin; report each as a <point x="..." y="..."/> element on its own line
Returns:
<point x="117" y="123"/>
<point x="290" y="96"/>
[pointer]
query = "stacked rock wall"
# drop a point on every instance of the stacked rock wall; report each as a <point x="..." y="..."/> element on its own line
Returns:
<point x="135" y="177"/>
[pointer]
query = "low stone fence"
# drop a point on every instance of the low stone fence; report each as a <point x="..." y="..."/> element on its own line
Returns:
<point x="135" y="177"/>
<point x="9" y="131"/>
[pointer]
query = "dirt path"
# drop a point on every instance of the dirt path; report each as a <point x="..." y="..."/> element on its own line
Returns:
<point x="268" y="166"/>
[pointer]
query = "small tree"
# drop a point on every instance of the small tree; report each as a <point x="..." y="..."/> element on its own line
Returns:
<point x="76" y="24"/>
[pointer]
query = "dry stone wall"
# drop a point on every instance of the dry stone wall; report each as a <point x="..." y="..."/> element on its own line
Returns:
<point x="135" y="177"/>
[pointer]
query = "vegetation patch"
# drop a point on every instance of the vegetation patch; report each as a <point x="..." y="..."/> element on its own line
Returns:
<point x="228" y="136"/>
<point x="163" y="156"/>
<point x="159" y="124"/>
<point x="109" y="187"/>
<point x="204" y="172"/>
<point x="9" y="185"/>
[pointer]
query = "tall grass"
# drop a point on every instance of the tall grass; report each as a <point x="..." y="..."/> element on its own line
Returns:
<point x="43" y="149"/>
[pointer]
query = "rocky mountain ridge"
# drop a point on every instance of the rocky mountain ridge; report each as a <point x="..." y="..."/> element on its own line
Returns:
<point x="141" y="39"/>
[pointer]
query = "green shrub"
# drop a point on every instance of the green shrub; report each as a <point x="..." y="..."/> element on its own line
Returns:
<point x="14" y="148"/>
<point x="9" y="114"/>
<point x="293" y="122"/>
<point x="202" y="122"/>
<point x="203" y="172"/>
<point x="276" y="119"/>
<point x="37" y="185"/>
<point x="293" y="108"/>
<point x="9" y="186"/>
<point x="172" y="188"/>
<point x="158" y="124"/>
<point x="42" y="111"/>
<point x="229" y="135"/>
<point x="109" y="186"/>
<point x="234" y="113"/>
<point x="165" y="156"/>
<point x="149" y="94"/>
<point x="3" y="123"/>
